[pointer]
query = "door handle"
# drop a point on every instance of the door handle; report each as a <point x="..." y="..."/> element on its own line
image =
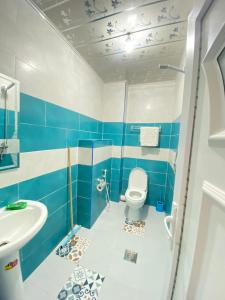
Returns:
<point x="167" y="221"/>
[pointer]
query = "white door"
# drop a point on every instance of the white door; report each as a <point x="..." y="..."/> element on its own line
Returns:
<point x="201" y="268"/>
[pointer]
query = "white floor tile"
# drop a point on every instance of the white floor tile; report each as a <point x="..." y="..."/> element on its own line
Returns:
<point x="124" y="280"/>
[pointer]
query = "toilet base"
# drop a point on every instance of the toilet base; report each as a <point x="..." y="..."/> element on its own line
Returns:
<point x="134" y="214"/>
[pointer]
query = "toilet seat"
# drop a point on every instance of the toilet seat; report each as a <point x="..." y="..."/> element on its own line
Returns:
<point x="135" y="198"/>
<point x="136" y="192"/>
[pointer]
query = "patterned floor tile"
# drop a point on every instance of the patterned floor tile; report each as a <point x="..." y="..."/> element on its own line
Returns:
<point x="74" y="249"/>
<point x="135" y="228"/>
<point x="83" y="284"/>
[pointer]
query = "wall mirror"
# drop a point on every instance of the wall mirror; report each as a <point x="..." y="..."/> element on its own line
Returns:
<point x="9" y="109"/>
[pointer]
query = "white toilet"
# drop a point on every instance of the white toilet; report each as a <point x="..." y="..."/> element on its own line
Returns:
<point x="136" y="193"/>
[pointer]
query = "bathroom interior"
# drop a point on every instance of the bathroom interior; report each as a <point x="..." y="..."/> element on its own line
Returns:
<point x="90" y="117"/>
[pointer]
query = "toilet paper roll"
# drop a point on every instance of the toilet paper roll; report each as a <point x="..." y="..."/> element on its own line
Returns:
<point x="100" y="187"/>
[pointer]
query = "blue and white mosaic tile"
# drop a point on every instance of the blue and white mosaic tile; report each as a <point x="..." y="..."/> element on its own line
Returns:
<point x="74" y="249"/>
<point x="83" y="284"/>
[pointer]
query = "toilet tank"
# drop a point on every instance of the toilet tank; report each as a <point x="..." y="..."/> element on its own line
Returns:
<point x="138" y="178"/>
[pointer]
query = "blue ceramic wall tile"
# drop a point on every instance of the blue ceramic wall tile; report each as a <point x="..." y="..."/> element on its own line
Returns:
<point x="39" y="187"/>
<point x="116" y="138"/>
<point x="152" y="165"/>
<point x="116" y="163"/>
<point x="10" y="131"/>
<point x="164" y="141"/>
<point x="126" y="173"/>
<point x="165" y="128"/>
<point x="113" y="127"/>
<point x="124" y="185"/>
<point x="174" y="142"/>
<point x="115" y="174"/>
<point x="132" y="140"/>
<point x="169" y="189"/>
<point x="8" y="194"/>
<point x="84" y="188"/>
<point x="157" y="178"/>
<point x="10" y="115"/>
<point x="85" y="173"/>
<point x="56" y="199"/>
<point x="32" y="110"/>
<point x="115" y="195"/>
<point x="57" y="116"/>
<point x="155" y="193"/>
<point x="83" y="135"/>
<point x="101" y="143"/>
<point x="74" y="172"/>
<point x="34" y="138"/>
<point x="56" y="227"/>
<point x="84" y="220"/>
<point x="175" y="128"/>
<point x="88" y="124"/>
<point x="84" y="205"/>
<point x="100" y="127"/>
<point x="72" y="138"/>
<point x="129" y="163"/>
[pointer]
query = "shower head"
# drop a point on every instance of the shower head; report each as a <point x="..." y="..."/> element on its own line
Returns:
<point x="171" y="67"/>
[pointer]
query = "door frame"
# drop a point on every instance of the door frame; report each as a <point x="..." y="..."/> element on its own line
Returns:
<point x="192" y="66"/>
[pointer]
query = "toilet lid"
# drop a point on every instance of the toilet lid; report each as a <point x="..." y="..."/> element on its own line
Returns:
<point x="138" y="179"/>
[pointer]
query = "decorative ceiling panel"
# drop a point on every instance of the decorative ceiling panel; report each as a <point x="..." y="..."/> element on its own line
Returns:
<point x="123" y="40"/>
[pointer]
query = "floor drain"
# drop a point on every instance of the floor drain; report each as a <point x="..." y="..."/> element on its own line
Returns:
<point x="3" y="243"/>
<point x="131" y="256"/>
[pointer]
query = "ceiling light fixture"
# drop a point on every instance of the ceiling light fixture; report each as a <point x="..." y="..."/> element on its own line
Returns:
<point x="130" y="8"/>
<point x="131" y="20"/>
<point x="129" y="44"/>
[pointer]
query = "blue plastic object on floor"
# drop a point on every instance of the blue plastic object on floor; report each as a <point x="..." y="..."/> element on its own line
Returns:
<point x="159" y="206"/>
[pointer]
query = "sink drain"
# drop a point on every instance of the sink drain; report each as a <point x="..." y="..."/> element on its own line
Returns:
<point x="4" y="243"/>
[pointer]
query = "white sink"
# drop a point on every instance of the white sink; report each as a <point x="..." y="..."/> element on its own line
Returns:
<point x="17" y="227"/>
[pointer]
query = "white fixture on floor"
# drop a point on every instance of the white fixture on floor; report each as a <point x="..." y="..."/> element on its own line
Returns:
<point x="17" y="227"/>
<point x="136" y="193"/>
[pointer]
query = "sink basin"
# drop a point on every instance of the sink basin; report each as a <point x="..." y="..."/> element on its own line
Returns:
<point x="18" y="227"/>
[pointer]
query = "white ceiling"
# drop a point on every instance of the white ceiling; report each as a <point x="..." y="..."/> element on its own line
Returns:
<point x="101" y="30"/>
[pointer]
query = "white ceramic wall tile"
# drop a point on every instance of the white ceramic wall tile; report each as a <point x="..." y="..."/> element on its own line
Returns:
<point x="172" y="158"/>
<point x="101" y="154"/>
<point x="46" y="66"/>
<point x="85" y="156"/>
<point x="113" y="102"/>
<point x="33" y="164"/>
<point x="146" y="153"/>
<point x="7" y="63"/>
<point x="12" y="94"/>
<point x="151" y="102"/>
<point x="116" y="151"/>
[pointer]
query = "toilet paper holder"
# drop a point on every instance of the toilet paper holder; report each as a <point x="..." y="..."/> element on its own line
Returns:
<point x="101" y="182"/>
